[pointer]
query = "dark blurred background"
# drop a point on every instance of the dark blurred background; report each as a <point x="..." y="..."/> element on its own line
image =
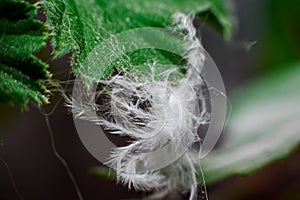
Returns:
<point x="267" y="35"/>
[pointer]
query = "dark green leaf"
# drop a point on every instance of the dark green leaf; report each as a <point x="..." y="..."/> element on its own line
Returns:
<point x="281" y="36"/>
<point x="21" y="73"/>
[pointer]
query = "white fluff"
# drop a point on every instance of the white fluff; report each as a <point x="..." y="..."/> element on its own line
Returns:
<point x="155" y="111"/>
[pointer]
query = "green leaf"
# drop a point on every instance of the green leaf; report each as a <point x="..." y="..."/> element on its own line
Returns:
<point x="264" y="126"/>
<point x="21" y="35"/>
<point x="219" y="17"/>
<point x="79" y="25"/>
<point x="281" y="36"/>
<point x="104" y="173"/>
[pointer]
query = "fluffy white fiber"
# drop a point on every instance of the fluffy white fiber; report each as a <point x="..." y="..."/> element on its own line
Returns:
<point x="156" y="113"/>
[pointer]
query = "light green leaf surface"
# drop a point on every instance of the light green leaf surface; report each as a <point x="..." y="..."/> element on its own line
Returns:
<point x="79" y="25"/>
<point x="21" y="73"/>
<point x="264" y="126"/>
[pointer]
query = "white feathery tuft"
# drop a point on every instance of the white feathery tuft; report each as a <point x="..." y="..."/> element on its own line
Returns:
<point x="154" y="112"/>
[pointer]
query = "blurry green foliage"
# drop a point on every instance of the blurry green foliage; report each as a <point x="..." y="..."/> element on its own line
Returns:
<point x="104" y="173"/>
<point x="263" y="128"/>
<point x="282" y="38"/>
